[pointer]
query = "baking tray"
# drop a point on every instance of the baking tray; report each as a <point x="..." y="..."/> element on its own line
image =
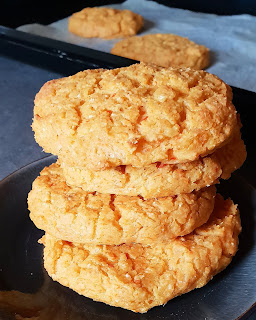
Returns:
<point x="21" y="256"/>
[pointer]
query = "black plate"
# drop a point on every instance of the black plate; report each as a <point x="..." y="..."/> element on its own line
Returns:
<point x="230" y="295"/>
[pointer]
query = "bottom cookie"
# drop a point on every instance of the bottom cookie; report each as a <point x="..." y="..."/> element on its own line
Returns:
<point x="138" y="277"/>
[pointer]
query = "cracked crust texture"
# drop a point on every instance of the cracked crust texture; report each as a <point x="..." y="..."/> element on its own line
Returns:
<point x="135" y="115"/>
<point x="165" y="50"/>
<point x="105" y="23"/>
<point x="75" y="215"/>
<point x="138" y="277"/>
<point x="161" y="180"/>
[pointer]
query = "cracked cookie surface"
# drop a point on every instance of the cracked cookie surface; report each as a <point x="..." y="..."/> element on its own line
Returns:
<point x="161" y="180"/>
<point x="165" y="50"/>
<point x="72" y="214"/>
<point x="105" y="23"/>
<point x="135" y="115"/>
<point x="138" y="277"/>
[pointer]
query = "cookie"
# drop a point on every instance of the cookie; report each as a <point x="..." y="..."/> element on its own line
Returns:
<point x="138" y="277"/>
<point x="135" y="115"/>
<point x="161" y="180"/>
<point x="105" y="23"/>
<point x="72" y="214"/>
<point x="165" y="50"/>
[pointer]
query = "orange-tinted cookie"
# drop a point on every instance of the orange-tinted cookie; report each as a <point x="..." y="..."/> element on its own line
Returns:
<point x="105" y="23"/>
<point x="72" y="214"/>
<point x="161" y="180"/>
<point x="138" y="277"/>
<point x="165" y="50"/>
<point x="135" y="115"/>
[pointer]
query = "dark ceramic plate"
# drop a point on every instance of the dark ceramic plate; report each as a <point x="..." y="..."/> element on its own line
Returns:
<point x="230" y="295"/>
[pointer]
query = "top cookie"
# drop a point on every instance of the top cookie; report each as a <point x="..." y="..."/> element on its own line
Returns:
<point x="164" y="50"/>
<point x="135" y="115"/>
<point x="105" y="23"/>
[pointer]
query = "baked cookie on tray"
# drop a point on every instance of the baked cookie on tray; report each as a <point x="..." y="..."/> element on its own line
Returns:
<point x="72" y="214"/>
<point x="135" y="115"/>
<point x="138" y="277"/>
<point x="105" y="23"/>
<point x="165" y="50"/>
<point x="159" y="179"/>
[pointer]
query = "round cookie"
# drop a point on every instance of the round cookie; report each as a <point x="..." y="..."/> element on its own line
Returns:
<point x="165" y="50"/>
<point x="105" y="23"/>
<point x="138" y="277"/>
<point x="72" y="214"/>
<point x="158" y="179"/>
<point x="135" y="115"/>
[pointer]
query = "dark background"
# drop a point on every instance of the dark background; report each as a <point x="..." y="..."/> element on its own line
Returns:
<point x="14" y="13"/>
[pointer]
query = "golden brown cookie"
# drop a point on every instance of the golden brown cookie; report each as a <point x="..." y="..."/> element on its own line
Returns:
<point x="138" y="277"/>
<point x="161" y="180"/>
<point x="165" y="50"/>
<point x="75" y="215"/>
<point x="105" y="23"/>
<point x="135" y="115"/>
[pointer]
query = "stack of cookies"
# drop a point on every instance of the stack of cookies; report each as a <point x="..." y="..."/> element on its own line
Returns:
<point x="130" y="208"/>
